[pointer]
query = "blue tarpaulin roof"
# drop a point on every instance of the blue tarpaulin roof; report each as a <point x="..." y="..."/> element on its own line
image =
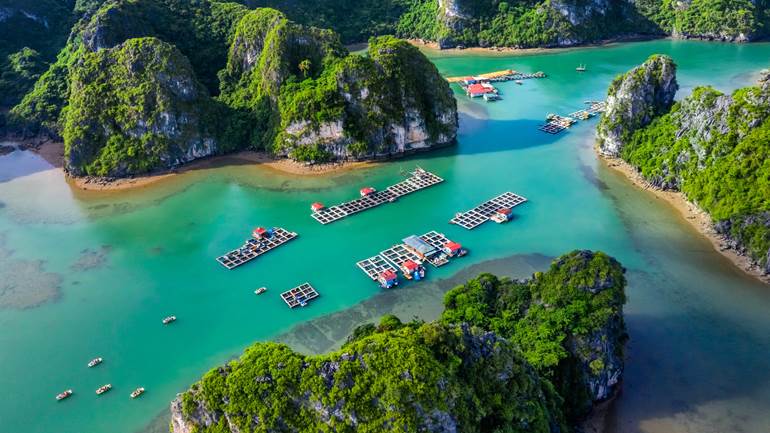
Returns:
<point x="419" y="245"/>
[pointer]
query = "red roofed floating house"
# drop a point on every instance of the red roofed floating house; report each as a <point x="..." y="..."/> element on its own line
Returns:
<point x="367" y="190"/>
<point x="388" y="279"/>
<point x="261" y="233"/>
<point x="413" y="270"/>
<point x="502" y="216"/>
<point x="453" y="249"/>
<point x="315" y="207"/>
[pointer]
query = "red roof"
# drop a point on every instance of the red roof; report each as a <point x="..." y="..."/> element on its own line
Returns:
<point x="478" y="88"/>
<point x="504" y="211"/>
<point x="408" y="264"/>
<point x="260" y="230"/>
<point x="388" y="275"/>
<point x="317" y="206"/>
<point x="453" y="246"/>
<point x="367" y="190"/>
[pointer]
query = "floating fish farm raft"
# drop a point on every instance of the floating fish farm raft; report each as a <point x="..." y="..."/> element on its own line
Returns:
<point x="432" y="247"/>
<point x="497" y="76"/>
<point x="300" y="295"/>
<point x="419" y="179"/>
<point x="483" y="212"/>
<point x="261" y="242"/>
<point x="556" y="124"/>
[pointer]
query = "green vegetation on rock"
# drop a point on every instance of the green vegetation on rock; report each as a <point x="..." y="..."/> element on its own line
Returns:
<point x="710" y="146"/>
<point x="472" y="371"/>
<point x="567" y="322"/>
<point x="267" y="84"/>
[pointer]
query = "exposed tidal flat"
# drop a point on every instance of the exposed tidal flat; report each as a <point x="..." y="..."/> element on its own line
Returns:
<point x="92" y="273"/>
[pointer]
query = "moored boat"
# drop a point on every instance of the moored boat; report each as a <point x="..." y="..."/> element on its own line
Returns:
<point x="104" y="388"/>
<point x="63" y="395"/>
<point x="94" y="362"/>
<point x="137" y="392"/>
<point x="260" y="290"/>
<point x="168" y="319"/>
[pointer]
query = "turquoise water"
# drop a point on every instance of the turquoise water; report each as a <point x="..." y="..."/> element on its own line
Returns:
<point x="88" y="274"/>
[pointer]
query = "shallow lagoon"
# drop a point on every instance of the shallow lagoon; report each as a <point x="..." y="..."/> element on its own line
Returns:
<point x="91" y="274"/>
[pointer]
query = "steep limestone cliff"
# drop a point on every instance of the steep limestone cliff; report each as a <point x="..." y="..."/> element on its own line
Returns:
<point x="710" y="146"/>
<point x="402" y="377"/>
<point x="135" y="108"/>
<point x="582" y="352"/>
<point x="634" y="99"/>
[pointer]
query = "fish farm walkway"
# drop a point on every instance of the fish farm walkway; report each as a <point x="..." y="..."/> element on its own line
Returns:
<point x="254" y="248"/>
<point x="419" y="179"/>
<point x="557" y="124"/>
<point x="481" y="213"/>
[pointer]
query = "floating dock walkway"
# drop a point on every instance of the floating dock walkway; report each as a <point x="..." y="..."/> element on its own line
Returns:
<point x="255" y="247"/>
<point x="300" y="295"/>
<point x="504" y="75"/>
<point x="419" y="179"/>
<point x="433" y="247"/>
<point x="483" y="212"/>
<point x="556" y="124"/>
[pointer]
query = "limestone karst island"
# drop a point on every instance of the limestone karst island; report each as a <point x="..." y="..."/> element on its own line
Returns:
<point x="374" y="216"/>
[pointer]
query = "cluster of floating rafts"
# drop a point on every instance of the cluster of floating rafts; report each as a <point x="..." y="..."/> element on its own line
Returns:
<point x="104" y="388"/>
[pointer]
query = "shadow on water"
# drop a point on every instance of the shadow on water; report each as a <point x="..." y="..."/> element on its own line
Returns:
<point x="19" y="163"/>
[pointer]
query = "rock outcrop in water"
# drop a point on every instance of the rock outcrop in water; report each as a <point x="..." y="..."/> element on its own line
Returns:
<point x="634" y="99"/>
<point x="528" y="356"/>
<point x="710" y="146"/>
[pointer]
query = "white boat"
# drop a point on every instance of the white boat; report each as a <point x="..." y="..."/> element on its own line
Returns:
<point x="137" y="392"/>
<point x="581" y="68"/>
<point x="94" y="362"/>
<point x="169" y="319"/>
<point x="260" y="290"/>
<point x="104" y="388"/>
<point x="63" y="395"/>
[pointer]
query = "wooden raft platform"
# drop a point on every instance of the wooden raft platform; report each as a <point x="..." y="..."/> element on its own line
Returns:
<point x="253" y="248"/>
<point x="300" y="295"/>
<point x="556" y="124"/>
<point x="481" y="213"/>
<point x="375" y="266"/>
<point x="419" y="179"/>
<point x="398" y="254"/>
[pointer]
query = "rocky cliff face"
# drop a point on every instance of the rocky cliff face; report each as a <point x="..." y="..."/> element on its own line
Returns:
<point x="135" y="108"/>
<point x="710" y="146"/>
<point x="390" y="103"/>
<point x="634" y="99"/>
<point x="454" y="379"/>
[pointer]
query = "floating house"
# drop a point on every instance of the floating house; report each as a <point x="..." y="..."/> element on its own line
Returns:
<point x="317" y="207"/>
<point x="502" y="215"/>
<point x="388" y="279"/>
<point x="453" y="249"/>
<point x="413" y="270"/>
<point x="419" y="247"/>
<point x="367" y="191"/>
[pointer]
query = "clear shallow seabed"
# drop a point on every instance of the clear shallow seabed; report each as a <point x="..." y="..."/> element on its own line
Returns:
<point x="85" y="274"/>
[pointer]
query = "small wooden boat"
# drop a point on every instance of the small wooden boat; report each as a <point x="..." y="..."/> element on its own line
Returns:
<point x="519" y="82"/>
<point x="104" y="388"/>
<point x="63" y="395"/>
<point x="260" y="290"/>
<point x="94" y="362"/>
<point x="169" y="319"/>
<point x="137" y="392"/>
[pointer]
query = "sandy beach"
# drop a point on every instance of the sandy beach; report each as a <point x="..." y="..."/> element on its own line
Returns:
<point x="53" y="152"/>
<point x="693" y="214"/>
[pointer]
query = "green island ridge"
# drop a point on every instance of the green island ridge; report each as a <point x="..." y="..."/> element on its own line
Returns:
<point x="35" y="79"/>
<point x="133" y="91"/>
<point x="710" y="146"/>
<point x="505" y="356"/>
